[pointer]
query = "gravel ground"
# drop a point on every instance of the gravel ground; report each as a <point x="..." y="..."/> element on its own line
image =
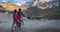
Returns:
<point x="30" y="25"/>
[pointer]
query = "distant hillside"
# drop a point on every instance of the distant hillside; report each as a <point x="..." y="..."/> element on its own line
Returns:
<point x="2" y="9"/>
<point x="41" y="4"/>
<point x="11" y="6"/>
<point x="50" y="13"/>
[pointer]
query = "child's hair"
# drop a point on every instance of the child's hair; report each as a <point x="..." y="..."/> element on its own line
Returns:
<point x="15" y="10"/>
<point x="19" y="9"/>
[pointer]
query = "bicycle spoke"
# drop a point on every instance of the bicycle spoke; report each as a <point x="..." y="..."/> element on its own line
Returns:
<point x="18" y="28"/>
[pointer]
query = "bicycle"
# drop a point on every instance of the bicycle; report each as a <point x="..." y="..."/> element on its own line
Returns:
<point x="15" y="26"/>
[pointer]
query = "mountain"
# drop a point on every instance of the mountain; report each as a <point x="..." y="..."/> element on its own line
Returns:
<point x="2" y="9"/>
<point x="33" y="11"/>
<point x="43" y="4"/>
<point x="51" y="12"/>
<point x="11" y="6"/>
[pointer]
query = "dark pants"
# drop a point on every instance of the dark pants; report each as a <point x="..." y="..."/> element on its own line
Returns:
<point x="18" y="24"/>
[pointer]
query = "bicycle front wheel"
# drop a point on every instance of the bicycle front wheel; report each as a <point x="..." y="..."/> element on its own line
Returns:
<point x="15" y="28"/>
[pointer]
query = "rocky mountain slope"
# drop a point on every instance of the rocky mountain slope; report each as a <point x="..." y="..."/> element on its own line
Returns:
<point x="11" y="6"/>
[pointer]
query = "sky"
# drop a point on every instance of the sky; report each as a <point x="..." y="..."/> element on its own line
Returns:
<point x="20" y="2"/>
<point x="16" y="0"/>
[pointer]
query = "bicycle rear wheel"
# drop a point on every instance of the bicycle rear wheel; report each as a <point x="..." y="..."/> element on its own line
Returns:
<point x="15" y="28"/>
<point x="21" y="25"/>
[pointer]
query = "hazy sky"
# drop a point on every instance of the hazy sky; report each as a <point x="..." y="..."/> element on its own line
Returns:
<point x="19" y="2"/>
<point x="15" y="0"/>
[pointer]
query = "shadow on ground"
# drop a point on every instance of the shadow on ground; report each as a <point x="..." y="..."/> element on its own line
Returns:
<point x="48" y="30"/>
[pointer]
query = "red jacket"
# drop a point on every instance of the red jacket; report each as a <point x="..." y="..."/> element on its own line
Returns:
<point x="15" y="16"/>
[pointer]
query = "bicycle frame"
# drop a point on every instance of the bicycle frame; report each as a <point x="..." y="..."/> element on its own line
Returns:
<point x="16" y="26"/>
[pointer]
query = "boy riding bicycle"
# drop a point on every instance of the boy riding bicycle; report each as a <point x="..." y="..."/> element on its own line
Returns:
<point x="20" y="16"/>
<point x="17" y="18"/>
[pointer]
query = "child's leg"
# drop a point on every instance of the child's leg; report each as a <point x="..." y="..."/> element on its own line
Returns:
<point x="12" y="26"/>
